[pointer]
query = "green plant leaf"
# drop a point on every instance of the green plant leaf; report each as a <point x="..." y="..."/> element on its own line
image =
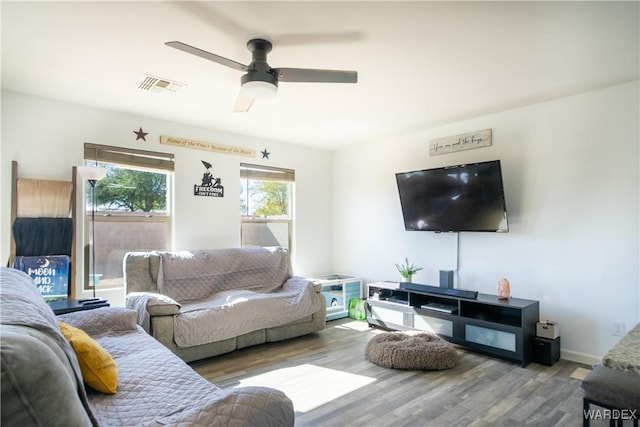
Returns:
<point x="407" y="269"/>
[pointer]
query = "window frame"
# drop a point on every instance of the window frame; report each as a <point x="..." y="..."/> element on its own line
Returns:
<point x="96" y="154"/>
<point x="256" y="172"/>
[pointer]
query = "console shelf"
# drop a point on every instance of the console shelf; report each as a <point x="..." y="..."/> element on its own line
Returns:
<point x="501" y="328"/>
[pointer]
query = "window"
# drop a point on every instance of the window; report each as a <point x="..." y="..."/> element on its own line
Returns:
<point x="266" y="206"/>
<point x="133" y="209"/>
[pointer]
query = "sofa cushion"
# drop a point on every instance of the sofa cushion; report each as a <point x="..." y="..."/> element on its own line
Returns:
<point x="34" y="371"/>
<point x="99" y="371"/>
<point x="102" y="320"/>
<point x="237" y="312"/>
<point x="612" y="387"/>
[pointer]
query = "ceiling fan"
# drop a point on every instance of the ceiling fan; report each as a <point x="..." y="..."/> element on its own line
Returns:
<point x="260" y="80"/>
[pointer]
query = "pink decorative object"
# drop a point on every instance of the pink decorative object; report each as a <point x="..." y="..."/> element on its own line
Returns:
<point x="504" y="289"/>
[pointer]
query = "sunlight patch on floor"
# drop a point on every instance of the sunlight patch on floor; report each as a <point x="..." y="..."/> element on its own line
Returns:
<point x="580" y="373"/>
<point x="355" y="326"/>
<point x="309" y="386"/>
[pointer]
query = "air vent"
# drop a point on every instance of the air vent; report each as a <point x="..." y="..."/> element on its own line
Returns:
<point x="159" y="85"/>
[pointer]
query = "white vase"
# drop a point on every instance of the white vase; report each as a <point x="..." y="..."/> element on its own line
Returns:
<point x="405" y="279"/>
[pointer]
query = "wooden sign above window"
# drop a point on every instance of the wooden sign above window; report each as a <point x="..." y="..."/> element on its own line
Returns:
<point x="198" y="145"/>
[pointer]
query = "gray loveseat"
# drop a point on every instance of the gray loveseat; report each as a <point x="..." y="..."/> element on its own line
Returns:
<point x="208" y="302"/>
<point x="42" y="384"/>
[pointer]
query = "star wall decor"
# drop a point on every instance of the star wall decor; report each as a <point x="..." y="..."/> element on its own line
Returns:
<point x="265" y="154"/>
<point x="140" y="134"/>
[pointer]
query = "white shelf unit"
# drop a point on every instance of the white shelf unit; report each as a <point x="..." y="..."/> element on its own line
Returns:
<point x="338" y="291"/>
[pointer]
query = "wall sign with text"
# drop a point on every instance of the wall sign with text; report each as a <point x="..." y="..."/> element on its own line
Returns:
<point x="464" y="141"/>
<point x="50" y="274"/>
<point x="210" y="186"/>
<point x="199" y="145"/>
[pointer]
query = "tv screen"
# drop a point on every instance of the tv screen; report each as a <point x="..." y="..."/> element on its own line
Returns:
<point x="466" y="197"/>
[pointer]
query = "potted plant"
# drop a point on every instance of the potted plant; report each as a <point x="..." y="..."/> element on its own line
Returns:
<point x="407" y="270"/>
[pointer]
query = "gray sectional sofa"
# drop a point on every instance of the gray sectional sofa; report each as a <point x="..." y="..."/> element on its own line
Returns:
<point x="42" y="384"/>
<point x="208" y="302"/>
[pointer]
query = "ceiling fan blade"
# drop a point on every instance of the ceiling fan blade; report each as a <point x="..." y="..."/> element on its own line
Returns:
<point x="207" y="55"/>
<point x="315" y="76"/>
<point x="243" y="103"/>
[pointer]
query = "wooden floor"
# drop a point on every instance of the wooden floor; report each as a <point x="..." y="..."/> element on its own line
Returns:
<point x="331" y="384"/>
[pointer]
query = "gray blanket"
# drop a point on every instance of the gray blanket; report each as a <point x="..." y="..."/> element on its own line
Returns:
<point x="156" y="388"/>
<point x="237" y="312"/>
<point x="195" y="275"/>
<point x="237" y="290"/>
<point x="23" y="305"/>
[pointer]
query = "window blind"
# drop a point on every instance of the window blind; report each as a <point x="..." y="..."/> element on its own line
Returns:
<point x="266" y="173"/>
<point x="129" y="157"/>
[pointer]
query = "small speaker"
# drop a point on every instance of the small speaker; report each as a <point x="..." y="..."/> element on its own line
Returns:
<point x="446" y="279"/>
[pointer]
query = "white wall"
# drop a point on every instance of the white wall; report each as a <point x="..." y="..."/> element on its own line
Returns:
<point x="46" y="137"/>
<point x="571" y="179"/>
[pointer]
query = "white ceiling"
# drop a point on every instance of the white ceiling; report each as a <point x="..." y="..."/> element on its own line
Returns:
<point x="420" y="64"/>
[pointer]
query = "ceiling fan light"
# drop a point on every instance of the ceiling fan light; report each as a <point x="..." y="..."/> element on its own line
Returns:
<point x="258" y="89"/>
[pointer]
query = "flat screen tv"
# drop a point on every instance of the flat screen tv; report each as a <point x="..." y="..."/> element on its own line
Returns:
<point x="467" y="197"/>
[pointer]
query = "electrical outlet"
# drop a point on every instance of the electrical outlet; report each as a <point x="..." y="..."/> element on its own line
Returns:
<point x="618" y="329"/>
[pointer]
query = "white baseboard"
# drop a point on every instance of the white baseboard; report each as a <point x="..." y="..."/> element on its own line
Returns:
<point x="574" y="356"/>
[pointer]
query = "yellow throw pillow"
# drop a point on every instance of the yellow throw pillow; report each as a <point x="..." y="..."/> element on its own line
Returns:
<point x="99" y="371"/>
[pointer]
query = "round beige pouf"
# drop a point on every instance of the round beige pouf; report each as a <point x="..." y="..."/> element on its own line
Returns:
<point x="411" y="350"/>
